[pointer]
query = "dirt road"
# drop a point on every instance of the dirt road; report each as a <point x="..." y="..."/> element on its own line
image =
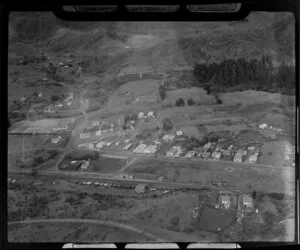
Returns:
<point x="94" y="222"/>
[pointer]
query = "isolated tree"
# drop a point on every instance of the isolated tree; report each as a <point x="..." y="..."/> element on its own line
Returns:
<point x="167" y="124"/>
<point x="162" y="92"/>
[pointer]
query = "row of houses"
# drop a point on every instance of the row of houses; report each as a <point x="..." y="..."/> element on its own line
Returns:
<point x="264" y="126"/>
<point x="214" y="151"/>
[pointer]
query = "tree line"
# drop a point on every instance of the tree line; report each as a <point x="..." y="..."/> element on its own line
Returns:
<point x="241" y="74"/>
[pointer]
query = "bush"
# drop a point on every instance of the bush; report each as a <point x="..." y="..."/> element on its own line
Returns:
<point x="179" y="102"/>
<point x="162" y="92"/>
<point x="190" y="102"/>
<point x="167" y="124"/>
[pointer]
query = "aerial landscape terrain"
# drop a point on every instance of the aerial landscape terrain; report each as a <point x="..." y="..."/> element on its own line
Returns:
<point x="151" y="131"/>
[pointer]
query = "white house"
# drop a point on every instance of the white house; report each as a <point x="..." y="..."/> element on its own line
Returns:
<point x="85" y="164"/>
<point x="263" y="126"/>
<point x="150" y="114"/>
<point x="127" y="147"/>
<point x="247" y="201"/>
<point x="140" y="115"/>
<point x="238" y="156"/>
<point x="140" y="148"/>
<point x="168" y="138"/>
<point x="100" y="144"/>
<point x="253" y="158"/>
<point x="95" y="123"/>
<point x="207" y="145"/>
<point x="179" y="133"/>
<point x="190" y="154"/>
<point x="84" y="135"/>
<point x="56" y="139"/>
<point x="150" y="149"/>
<point x="225" y="201"/>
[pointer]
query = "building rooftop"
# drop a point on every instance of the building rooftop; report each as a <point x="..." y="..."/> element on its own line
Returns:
<point x="140" y="188"/>
<point x="247" y="200"/>
<point x="225" y="199"/>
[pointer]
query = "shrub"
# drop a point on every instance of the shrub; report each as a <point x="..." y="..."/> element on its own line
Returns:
<point x="179" y="102"/>
<point x="190" y="102"/>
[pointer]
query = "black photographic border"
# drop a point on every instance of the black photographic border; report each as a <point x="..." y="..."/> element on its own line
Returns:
<point x="123" y="15"/>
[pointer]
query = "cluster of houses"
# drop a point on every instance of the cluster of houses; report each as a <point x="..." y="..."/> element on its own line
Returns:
<point x="215" y="151"/>
<point x="33" y="97"/>
<point x="83" y="164"/>
<point x="96" y="128"/>
<point x="68" y="101"/>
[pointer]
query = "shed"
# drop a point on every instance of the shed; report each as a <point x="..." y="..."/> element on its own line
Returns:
<point x="141" y="188"/>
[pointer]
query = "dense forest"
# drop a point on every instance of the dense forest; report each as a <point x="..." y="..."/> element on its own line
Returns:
<point x="240" y="74"/>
